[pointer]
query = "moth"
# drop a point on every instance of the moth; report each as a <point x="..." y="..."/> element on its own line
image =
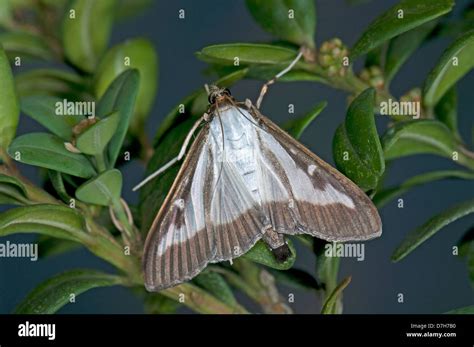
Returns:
<point x="243" y="180"/>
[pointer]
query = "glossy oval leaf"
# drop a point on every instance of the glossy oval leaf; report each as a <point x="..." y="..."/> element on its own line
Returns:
<point x="394" y="22"/>
<point x="455" y="62"/>
<point x="102" y="190"/>
<point x="137" y="54"/>
<point x="260" y="253"/>
<point x="43" y="109"/>
<point x="96" y="137"/>
<point x="120" y="96"/>
<point x="86" y="30"/>
<point x="215" y="284"/>
<point x="67" y="223"/>
<point x="55" y="292"/>
<point x="12" y="191"/>
<point x="296" y="127"/>
<point x="356" y="146"/>
<point x="290" y="20"/>
<point x="9" y="106"/>
<point x="329" y="306"/>
<point x="431" y="227"/>
<point x="48" y="151"/>
<point x="246" y="53"/>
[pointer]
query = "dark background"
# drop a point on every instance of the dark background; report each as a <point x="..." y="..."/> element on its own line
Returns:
<point x="431" y="279"/>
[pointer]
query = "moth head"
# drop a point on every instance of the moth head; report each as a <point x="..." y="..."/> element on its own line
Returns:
<point x="216" y="94"/>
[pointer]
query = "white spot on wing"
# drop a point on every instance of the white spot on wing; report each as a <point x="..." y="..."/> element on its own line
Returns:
<point x="179" y="203"/>
<point x="311" y="169"/>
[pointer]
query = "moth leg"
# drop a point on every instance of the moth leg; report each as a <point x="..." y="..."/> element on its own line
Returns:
<point x="264" y="89"/>
<point x="277" y="244"/>
<point x="173" y="161"/>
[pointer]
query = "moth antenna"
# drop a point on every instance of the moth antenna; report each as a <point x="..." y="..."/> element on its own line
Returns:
<point x="264" y="89"/>
<point x="180" y="156"/>
<point x="206" y="87"/>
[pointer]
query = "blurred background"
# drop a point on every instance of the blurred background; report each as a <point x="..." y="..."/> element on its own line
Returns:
<point x="431" y="279"/>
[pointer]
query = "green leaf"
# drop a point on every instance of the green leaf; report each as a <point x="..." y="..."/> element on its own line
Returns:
<point x="296" y="278"/>
<point x="25" y="46"/>
<point x="384" y="196"/>
<point x="86" y="35"/>
<point x="102" y="190"/>
<point x="403" y="46"/>
<point x="462" y="310"/>
<point x="48" y="151"/>
<point x="196" y="103"/>
<point x="418" y="137"/>
<point x="446" y="111"/>
<point x="67" y="223"/>
<point x="389" y="25"/>
<point x="466" y="250"/>
<point x="246" y="53"/>
<point x="130" y="8"/>
<point x="6" y="14"/>
<point x="356" y="146"/>
<point x="290" y="20"/>
<point x="56" y="179"/>
<point x="215" y="284"/>
<point x="431" y="227"/>
<point x="295" y="127"/>
<point x="96" y="137"/>
<point x="330" y="304"/>
<point x="9" y="108"/>
<point x="260" y="253"/>
<point x="55" y="292"/>
<point x="455" y="62"/>
<point x="138" y="54"/>
<point x="12" y="191"/>
<point x="50" y="246"/>
<point x="120" y="96"/>
<point x="43" y="109"/>
<point x="155" y="303"/>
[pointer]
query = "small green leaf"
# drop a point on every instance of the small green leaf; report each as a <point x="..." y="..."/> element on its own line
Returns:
<point x="356" y="145"/>
<point x="12" y="191"/>
<point x="50" y="246"/>
<point x="55" y="292"/>
<point x="446" y="111"/>
<point x="403" y="46"/>
<point x="330" y="304"/>
<point x="56" y="179"/>
<point x="6" y="14"/>
<point x="95" y="138"/>
<point x="466" y="250"/>
<point x="137" y="54"/>
<point x="390" y="23"/>
<point x="455" y="62"/>
<point x="462" y="310"/>
<point x="48" y="151"/>
<point x="9" y="108"/>
<point x="102" y="190"/>
<point x="295" y="127"/>
<point x="246" y="53"/>
<point x="42" y="108"/>
<point x="120" y="96"/>
<point x="290" y="20"/>
<point x="215" y="284"/>
<point x="25" y="46"/>
<point x="66" y="224"/>
<point x="384" y="196"/>
<point x="296" y="278"/>
<point x="260" y="253"/>
<point x="431" y="227"/>
<point x="417" y="137"/>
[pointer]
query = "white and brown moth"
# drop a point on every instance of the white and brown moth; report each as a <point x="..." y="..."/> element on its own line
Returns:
<point x="245" y="179"/>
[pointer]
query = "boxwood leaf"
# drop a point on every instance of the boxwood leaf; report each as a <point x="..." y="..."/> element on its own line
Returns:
<point x="137" y="54"/>
<point x="296" y="278"/>
<point x="9" y="107"/>
<point x="290" y="20"/>
<point x="103" y="189"/>
<point x="455" y="62"/>
<point x="403" y="46"/>
<point x="120" y="96"/>
<point x="260" y="253"/>
<point x="247" y="53"/>
<point x="12" y="191"/>
<point x="295" y="127"/>
<point x="431" y="227"/>
<point x="329" y="306"/>
<point x="86" y="30"/>
<point x="25" y="45"/>
<point x="56" y="179"/>
<point x="390" y="23"/>
<point x="384" y="196"/>
<point x="67" y="223"/>
<point x="356" y="145"/>
<point x="55" y="292"/>
<point x="42" y="108"/>
<point x="48" y="151"/>
<point x="446" y="111"/>
<point x="215" y="284"/>
<point x="50" y="246"/>
<point x="95" y="138"/>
